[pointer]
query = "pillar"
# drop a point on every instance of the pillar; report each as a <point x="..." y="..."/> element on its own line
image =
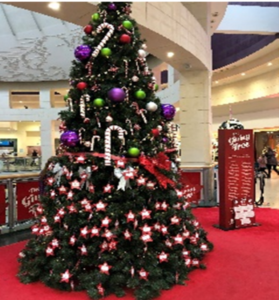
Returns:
<point x="5" y="99"/>
<point x="47" y="140"/>
<point x="195" y="127"/>
<point x="45" y="99"/>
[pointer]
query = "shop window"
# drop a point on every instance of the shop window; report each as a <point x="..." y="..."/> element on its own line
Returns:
<point x="57" y="98"/>
<point x="24" y="99"/>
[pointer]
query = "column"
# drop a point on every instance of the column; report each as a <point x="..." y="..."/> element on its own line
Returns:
<point x="195" y="127"/>
<point x="45" y="101"/>
<point x="5" y="99"/>
<point x="47" y="140"/>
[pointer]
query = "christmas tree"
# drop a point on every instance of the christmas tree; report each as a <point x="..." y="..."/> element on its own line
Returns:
<point x="113" y="214"/>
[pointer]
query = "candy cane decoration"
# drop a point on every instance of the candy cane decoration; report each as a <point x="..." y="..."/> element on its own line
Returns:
<point x="98" y="120"/>
<point x="105" y="39"/>
<point x="126" y="92"/>
<point x="70" y="104"/>
<point x="138" y="68"/>
<point x="126" y="68"/>
<point x="80" y="134"/>
<point x="95" y="137"/>
<point x="173" y="129"/>
<point x="140" y="111"/>
<point x="123" y="140"/>
<point x="86" y="97"/>
<point x="82" y="107"/>
<point x="108" y="142"/>
<point x="89" y="67"/>
<point x="131" y="126"/>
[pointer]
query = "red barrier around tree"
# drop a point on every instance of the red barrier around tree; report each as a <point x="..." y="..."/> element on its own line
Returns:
<point x="2" y="204"/>
<point x="236" y="178"/>
<point x="191" y="186"/>
<point x="27" y="197"/>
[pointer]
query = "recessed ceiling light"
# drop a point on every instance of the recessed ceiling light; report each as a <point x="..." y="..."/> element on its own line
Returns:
<point x="54" y="5"/>
<point x="216" y="81"/>
<point x="178" y="109"/>
<point x="170" y="54"/>
<point x="269" y="64"/>
<point x="243" y="74"/>
<point x="20" y="101"/>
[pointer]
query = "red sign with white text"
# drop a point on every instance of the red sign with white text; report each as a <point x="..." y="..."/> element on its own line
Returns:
<point x="236" y="176"/>
<point x="2" y="204"/>
<point x="191" y="182"/>
<point x="28" y="195"/>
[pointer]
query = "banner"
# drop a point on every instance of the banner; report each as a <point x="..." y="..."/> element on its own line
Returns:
<point x="2" y="204"/>
<point x="236" y="178"/>
<point x="191" y="182"/>
<point x="27" y="195"/>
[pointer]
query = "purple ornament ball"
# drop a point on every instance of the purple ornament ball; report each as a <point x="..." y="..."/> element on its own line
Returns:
<point x="112" y="7"/>
<point x="83" y="52"/>
<point x="69" y="138"/>
<point x="116" y="95"/>
<point x="168" y="111"/>
<point x="165" y="139"/>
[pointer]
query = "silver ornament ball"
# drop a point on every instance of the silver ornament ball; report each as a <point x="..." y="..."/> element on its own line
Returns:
<point x="151" y="106"/>
<point x="141" y="53"/>
<point x="135" y="78"/>
<point x="159" y="127"/>
<point x="143" y="46"/>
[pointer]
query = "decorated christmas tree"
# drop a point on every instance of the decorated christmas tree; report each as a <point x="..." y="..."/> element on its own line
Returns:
<point x="113" y="214"/>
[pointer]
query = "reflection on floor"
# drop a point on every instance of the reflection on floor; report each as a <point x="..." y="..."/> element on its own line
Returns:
<point x="271" y="191"/>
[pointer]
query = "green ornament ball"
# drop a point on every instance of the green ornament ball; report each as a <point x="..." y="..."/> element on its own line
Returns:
<point x="99" y="102"/>
<point x="140" y="94"/>
<point x="66" y="97"/>
<point x="106" y="52"/>
<point x="95" y="17"/>
<point x="156" y="87"/>
<point x="127" y="24"/>
<point x="133" y="152"/>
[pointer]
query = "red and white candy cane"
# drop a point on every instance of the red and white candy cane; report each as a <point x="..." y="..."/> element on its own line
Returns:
<point x="140" y="111"/>
<point x="126" y="68"/>
<point x="173" y="129"/>
<point x="70" y="104"/>
<point x="108" y="141"/>
<point x="82" y="107"/>
<point x="97" y="119"/>
<point x="105" y="39"/>
<point x="80" y="134"/>
<point x="95" y="137"/>
<point x="131" y="126"/>
<point x="126" y="92"/>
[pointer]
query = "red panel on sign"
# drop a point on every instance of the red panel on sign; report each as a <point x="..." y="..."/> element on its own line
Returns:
<point x="2" y="204"/>
<point x="191" y="182"/>
<point x="27" y="197"/>
<point x="236" y="173"/>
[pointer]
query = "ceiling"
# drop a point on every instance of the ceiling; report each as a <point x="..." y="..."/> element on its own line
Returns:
<point x="37" y="47"/>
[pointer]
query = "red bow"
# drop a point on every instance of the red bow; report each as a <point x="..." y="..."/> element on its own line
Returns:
<point x="161" y="161"/>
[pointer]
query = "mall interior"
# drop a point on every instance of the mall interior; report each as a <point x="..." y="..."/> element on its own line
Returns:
<point x="213" y="61"/>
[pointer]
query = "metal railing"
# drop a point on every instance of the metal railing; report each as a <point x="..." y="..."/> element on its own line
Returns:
<point x="10" y="207"/>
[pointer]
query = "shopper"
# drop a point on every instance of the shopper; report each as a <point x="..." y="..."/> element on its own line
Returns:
<point x="271" y="161"/>
<point x="34" y="157"/>
<point x="262" y="161"/>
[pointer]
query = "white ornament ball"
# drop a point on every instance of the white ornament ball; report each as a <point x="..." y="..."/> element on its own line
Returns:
<point x="151" y="106"/>
<point x="141" y="53"/>
<point x="143" y="46"/>
<point x="87" y="144"/>
<point x="159" y="127"/>
<point x="135" y="78"/>
<point x="109" y="119"/>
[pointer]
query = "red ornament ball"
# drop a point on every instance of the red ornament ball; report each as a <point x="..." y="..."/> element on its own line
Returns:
<point x="88" y="29"/>
<point x="125" y="39"/>
<point x="82" y="85"/>
<point x="155" y="132"/>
